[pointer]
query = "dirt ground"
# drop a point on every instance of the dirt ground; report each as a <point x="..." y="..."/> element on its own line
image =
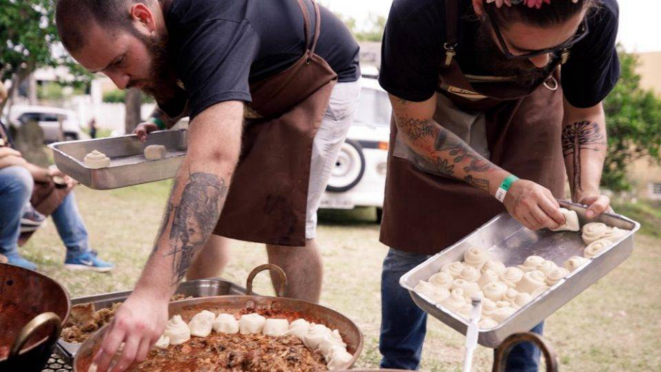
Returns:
<point x="612" y="326"/>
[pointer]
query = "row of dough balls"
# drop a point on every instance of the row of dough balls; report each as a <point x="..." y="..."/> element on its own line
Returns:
<point x="317" y="337"/>
<point x="97" y="160"/>
<point x="503" y="289"/>
<point x="596" y="235"/>
<point x="599" y="237"/>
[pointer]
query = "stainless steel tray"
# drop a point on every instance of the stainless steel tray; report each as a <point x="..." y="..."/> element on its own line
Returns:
<point x="510" y="242"/>
<point x="128" y="165"/>
<point x="193" y="288"/>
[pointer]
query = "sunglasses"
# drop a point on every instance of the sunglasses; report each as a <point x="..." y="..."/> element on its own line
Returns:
<point x="581" y="33"/>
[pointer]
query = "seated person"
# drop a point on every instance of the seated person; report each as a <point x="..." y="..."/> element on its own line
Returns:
<point x="17" y="183"/>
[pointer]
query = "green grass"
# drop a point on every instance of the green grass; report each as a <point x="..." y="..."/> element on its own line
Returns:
<point x="647" y="213"/>
<point x="612" y="326"/>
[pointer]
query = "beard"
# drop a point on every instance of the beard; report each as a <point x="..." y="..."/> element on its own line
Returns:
<point x="491" y="59"/>
<point x="161" y="82"/>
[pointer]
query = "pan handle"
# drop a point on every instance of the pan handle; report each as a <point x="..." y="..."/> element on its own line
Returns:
<point x="503" y="351"/>
<point x="274" y="268"/>
<point x="31" y="328"/>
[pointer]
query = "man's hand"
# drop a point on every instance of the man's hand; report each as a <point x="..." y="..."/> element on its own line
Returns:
<point x="60" y="178"/>
<point x="597" y="204"/>
<point x="138" y="324"/>
<point x="533" y="205"/>
<point x="143" y="129"/>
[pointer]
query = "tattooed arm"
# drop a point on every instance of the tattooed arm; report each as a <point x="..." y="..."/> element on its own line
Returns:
<point x="584" y="145"/>
<point x="531" y="204"/>
<point x="197" y="198"/>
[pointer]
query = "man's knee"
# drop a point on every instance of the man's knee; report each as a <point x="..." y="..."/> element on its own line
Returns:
<point x="16" y="181"/>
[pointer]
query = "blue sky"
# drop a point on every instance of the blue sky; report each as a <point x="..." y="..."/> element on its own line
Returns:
<point x="640" y="27"/>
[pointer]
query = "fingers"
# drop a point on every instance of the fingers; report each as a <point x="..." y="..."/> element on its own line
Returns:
<point x="141" y="133"/>
<point x="599" y="206"/>
<point x="128" y="354"/>
<point x="143" y="130"/>
<point x="145" y="345"/>
<point x="551" y="208"/>
<point x="109" y="347"/>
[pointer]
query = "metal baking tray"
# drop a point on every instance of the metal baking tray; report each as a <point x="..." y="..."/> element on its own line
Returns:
<point x="193" y="288"/>
<point x="128" y="165"/>
<point x="508" y="241"/>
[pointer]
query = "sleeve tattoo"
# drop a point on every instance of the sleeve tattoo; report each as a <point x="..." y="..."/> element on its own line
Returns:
<point x="454" y="153"/>
<point x="579" y="136"/>
<point x="194" y="219"/>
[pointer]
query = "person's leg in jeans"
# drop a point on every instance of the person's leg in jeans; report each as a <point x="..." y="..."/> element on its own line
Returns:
<point x="73" y="233"/>
<point x="16" y="185"/>
<point x="525" y="356"/>
<point x="403" y="323"/>
<point x="303" y="265"/>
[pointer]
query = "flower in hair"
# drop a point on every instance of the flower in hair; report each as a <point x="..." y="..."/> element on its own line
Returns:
<point x="535" y="3"/>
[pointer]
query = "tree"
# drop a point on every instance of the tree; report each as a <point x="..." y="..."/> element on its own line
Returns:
<point x="633" y="117"/>
<point x="29" y="40"/>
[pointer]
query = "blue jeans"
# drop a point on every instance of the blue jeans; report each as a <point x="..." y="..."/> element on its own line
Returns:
<point x="16" y="185"/>
<point x="404" y="324"/>
<point x="15" y="190"/>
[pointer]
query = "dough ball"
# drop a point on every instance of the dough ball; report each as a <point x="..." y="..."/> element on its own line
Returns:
<point x="96" y="160"/>
<point x="226" y="323"/>
<point x="155" y="152"/>
<point x="571" y="221"/>
<point x="275" y="327"/>
<point x="177" y="330"/>
<point x="251" y="323"/>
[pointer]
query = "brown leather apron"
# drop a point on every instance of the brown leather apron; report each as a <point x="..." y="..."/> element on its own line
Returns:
<point x="267" y="200"/>
<point x="516" y="128"/>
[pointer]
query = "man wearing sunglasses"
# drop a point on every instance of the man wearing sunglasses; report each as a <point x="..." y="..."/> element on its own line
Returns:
<point x="492" y="101"/>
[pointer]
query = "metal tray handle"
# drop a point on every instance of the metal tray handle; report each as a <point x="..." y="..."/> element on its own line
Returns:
<point x="31" y="328"/>
<point x="503" y="351"/>
<point x="274" y="268"/>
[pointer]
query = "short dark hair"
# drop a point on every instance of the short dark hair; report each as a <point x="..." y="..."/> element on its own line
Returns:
<point x="74" y="17"/>
<point x="557" y="12"/>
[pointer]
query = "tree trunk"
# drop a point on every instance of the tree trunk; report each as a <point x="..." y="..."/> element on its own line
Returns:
<point x="133" y="100"/>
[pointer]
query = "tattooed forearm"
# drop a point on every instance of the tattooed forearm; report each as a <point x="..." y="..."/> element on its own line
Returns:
<point x="415" y="128"/>
<point x="578" y="137"/>
<point x="195" y="217"/>
<point x="450" y="155"/>
<point x="461" y="152"/>
<point x="480" y="183"/>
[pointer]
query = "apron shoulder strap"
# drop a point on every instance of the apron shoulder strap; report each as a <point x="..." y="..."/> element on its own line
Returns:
<point x="317" y="29"/>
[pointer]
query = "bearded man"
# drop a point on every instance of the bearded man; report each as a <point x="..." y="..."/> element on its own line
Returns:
<point x="270" y="87"/>
<point x="492" y="100"/>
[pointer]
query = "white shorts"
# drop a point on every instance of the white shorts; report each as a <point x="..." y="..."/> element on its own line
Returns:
<point x="326" y="146"/>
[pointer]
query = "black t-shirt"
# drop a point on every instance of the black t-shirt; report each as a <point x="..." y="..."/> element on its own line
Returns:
<point x="413" y="52"/>
<point x="222" y="46"/>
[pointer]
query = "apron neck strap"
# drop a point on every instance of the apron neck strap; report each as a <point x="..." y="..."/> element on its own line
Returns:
<point x="317" y="29"/>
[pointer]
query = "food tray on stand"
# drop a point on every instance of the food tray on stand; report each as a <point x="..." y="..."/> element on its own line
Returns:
<point x="128" y="165"/>
<point x="194" y="288"/>
<point x="508" y="241"/>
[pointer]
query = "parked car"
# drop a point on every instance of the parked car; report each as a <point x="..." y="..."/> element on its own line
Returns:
<point x="359" y="176"/>
<point x="48" y="119"/>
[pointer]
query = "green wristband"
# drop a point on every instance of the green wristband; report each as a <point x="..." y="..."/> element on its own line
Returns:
<point x="505" y="187"/>
<point x="159" y="123"/>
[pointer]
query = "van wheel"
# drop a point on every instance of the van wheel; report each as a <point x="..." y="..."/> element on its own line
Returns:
<point x="349" y="167"/>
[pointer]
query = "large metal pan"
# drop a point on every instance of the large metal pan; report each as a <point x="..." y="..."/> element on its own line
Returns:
<point x="275" y="306"/>
<point x="32" y="310"/>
